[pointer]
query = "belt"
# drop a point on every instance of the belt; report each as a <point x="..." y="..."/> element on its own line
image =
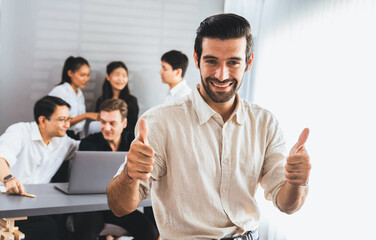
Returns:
<point x="251" y="235"/>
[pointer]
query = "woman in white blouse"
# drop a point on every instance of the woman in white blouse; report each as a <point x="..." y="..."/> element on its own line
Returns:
<point x="76" y="73"/>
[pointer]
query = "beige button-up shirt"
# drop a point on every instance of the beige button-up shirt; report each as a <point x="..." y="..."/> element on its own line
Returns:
<point x="206" y="171"/>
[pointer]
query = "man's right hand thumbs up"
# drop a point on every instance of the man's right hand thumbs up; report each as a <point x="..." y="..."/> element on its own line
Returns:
<point x="143" y="130"/>
<point x="140" y="155"/>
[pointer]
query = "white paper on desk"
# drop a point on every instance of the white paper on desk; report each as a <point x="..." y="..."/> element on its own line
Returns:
<point x="3" y="189"/>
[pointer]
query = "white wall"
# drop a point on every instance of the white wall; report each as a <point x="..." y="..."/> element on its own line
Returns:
<point x="37" y="36"/>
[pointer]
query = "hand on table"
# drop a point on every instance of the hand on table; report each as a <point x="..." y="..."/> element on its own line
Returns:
<point x="15" y="186"/>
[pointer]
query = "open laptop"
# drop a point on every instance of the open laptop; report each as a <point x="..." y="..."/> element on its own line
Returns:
<point x="90" y="172"/>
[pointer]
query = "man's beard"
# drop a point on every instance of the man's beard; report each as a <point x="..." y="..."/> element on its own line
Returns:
<point x="220" y="97"/>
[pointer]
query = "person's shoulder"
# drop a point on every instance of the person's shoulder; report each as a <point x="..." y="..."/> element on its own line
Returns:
<point x="20" y="130"/>
<point x="66" y="140"/>
<point x="61" y="88"/>
<point x="22" y="126"/>
<point x="132" y="99"/>
<point x="256" y="110"/>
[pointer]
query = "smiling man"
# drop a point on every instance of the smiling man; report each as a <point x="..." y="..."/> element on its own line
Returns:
<point x="113" y="121"/>
<point x="32" y="152"/>
<point x="113" y="137"/>
<point x="203" y="157"/>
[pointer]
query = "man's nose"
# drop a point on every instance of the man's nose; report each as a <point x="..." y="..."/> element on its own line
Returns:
<point x="222" y="72"/>
<point x="107" y="126"/>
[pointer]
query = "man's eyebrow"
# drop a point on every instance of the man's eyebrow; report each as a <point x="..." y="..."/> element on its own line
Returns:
<point x="230" y="58"/>
<point x="209" y="56"/>
<point x="235" y="58"/>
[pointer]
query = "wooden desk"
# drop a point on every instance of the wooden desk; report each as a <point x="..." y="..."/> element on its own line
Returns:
<point x="51" y="201"/>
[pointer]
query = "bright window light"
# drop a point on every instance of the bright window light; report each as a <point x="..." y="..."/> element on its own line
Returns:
<point x="315" y="67"/>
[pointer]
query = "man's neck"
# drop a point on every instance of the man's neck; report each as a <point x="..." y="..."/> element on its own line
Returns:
<point x="114" y="145"/>
<point x="224" y="109"/>
<point x="45" y="136"/>
<point x="172" y="85"/>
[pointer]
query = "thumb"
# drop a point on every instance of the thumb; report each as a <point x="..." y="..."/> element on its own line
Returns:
<point x="143" y="131"/>
<point x="299" y="146"/>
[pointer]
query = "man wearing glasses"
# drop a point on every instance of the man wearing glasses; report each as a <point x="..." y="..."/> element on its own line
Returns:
<point x="32" y="152"/>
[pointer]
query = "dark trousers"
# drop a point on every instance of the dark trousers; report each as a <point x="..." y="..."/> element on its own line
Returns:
<point x="41" y="227"/>
<point x="87" y="226"/>
<point x="148" y="212"/>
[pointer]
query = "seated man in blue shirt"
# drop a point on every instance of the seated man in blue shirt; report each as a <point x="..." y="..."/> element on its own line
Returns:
<point x="32" y="152"/>
<point x="113" y="121"/>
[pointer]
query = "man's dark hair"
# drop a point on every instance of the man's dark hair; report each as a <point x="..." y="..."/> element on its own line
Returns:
<point x="177" y="60"/>
<point x="114" y="104"/>
<point x="224" y="26"/>
<point x="46" y="106"/>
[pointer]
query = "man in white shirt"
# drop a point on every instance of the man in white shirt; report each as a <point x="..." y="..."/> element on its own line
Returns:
<point x="174" y="65"/>
<point x="32" y="152"/>
<point x="203" y="157"/>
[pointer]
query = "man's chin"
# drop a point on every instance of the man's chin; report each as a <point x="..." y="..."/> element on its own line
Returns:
<point x="221" y="96"/>
<point x="61" y="134"/>
<point x="107" y="138"/>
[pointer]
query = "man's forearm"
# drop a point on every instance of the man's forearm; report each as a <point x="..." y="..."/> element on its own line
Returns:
<point x="123" y="194"/>
<point x="291" y="197"/>
<point x="4" y="169"/>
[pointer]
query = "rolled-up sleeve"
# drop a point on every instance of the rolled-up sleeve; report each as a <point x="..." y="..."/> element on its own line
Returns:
<point x="273" y="173"/>
<point x="155" y="140"/>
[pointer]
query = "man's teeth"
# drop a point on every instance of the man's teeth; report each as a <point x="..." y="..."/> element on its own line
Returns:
<point x="221" y="86"/>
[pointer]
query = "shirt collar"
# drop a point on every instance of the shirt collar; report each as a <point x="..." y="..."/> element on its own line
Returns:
<point x="36" y="136"/>
<point x="178" y="86"/>
<point x="68" y="86"/>
<point x="239" y="110"/>
<point x="35" y="133"/>
<point x="105" y="146"/>
<point x="205" y="112"/>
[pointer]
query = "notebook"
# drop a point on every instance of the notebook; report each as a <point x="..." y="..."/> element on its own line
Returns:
<point x="90" y="172"/>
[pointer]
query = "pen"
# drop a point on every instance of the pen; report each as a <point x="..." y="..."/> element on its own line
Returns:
<point x="29" y="195"/>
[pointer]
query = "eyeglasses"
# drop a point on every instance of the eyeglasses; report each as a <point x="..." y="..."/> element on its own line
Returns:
<point x="62" y="120"/>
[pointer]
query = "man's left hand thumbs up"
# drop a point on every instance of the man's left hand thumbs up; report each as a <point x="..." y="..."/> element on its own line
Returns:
<point x="298" y="165"/>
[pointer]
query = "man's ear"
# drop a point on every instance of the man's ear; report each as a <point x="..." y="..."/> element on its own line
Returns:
<point x="107" y="77"/>
<point x="125" y="122"/>
<point x="42" y="121"/>
<point x="195" y="59"/>
<point x="250" y="61"/>
<point x="178" y="72"/>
